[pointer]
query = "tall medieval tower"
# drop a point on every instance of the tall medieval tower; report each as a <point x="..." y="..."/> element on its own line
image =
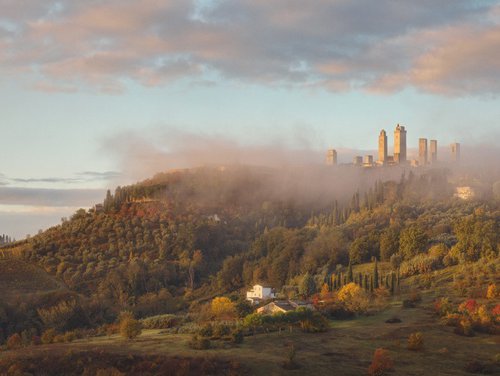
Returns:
<point x="382" y="147"/>
<point x="422" y="151"/>
<point x="434" y="151"/>
<point x="400" y="144"/>
<point x="331" y="157"/>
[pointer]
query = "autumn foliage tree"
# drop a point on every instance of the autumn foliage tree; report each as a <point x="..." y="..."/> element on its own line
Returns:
<point x="381" y="363"/>
<point x="353" y="297"/>
<point x="223" y="308"/>
<point x="129" y="327"/>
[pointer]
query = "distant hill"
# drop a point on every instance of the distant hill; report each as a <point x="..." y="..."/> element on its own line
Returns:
<point x="161" y="245"/>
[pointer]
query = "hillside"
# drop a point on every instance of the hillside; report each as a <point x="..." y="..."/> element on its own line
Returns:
<point x="170" y="244"/>
<point x="20" y="278"/>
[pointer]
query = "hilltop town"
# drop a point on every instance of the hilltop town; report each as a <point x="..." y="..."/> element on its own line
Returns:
<point x="426" y="155"/>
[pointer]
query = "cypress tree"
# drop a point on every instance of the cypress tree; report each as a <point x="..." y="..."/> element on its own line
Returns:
<point x="375" y="275"/>
<point x="349" y="273"/>
<point x="360" y="279"/>
<point x="393" y="280"/>
<point x="365" y="285"/>
<point x="371" y="284"/>
<point x="345" y="280"/>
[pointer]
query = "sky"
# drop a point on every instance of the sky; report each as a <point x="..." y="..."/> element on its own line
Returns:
<point x="98" y="93"/>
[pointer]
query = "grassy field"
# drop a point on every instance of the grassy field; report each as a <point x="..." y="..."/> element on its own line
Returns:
<point x="345" y="349"/>
<point x="20" y="278"/>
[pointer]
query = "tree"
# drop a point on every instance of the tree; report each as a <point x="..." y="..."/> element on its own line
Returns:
<point x="350" y="277"/>
<point x="381" y="363"/>
<point x="307" y="286"/>
<point x="389" y="243"/>
<point x="223" y="308"/>
<point x="353" y="297"/>
<point x="375" y="274"/>
<point x="14" y="341"/>
<point x="129" y="327"/>
<point x="412" y="241"/>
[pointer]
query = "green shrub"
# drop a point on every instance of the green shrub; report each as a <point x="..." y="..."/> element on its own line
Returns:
<point x="206" y="330"/>
<point x="420" y="264"/>
<point x="237" y="336"/>
<point x="199" y="343"/>
<point x="160" y="322"/>
<point x="48" y="336"/>
<point x="221" y="330"/>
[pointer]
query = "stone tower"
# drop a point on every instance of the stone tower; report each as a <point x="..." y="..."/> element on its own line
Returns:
<point x="382" y="147"/>
<point x="422" y="151"/>
<point x="455" y="152"/>
<point x="434" y="151"/>
<point x="400" y="144"/>
<point x="331" y="157"/>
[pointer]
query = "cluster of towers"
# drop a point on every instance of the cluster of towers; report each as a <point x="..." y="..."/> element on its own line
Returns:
<point x="425" y="155"/>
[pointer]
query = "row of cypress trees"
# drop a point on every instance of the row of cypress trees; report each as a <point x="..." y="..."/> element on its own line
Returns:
<point x="369" y="282"/>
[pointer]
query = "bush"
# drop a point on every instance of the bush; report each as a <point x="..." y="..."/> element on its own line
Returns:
<point x="420" y="264"/>
<point x="491" y="292"/>
<point x="160" y="322"/>
<point x="59" y="338"/>
<point x="290" y="363"/>
<point x="48" y="336"/>
<point x="129" y="327"/>
<point x="199" y="343"/>
<point x="381" y="363"/>
<point x="206" y="330"/>
<point x="14" y="342"/>
<point x="69" y="336"/>
<point x="353" y="297"/>
<point x="237" y="336"/>
<point x="443" y="306"/>
<point x="464" y="328"/>
<point x="416" y="341"/>
<point x="221" y="330"/>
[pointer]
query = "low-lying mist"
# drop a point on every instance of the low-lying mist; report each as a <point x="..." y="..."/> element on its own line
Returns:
<point x="289" y="169"/>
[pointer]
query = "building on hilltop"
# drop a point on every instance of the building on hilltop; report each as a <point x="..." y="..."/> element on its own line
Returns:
<point x="382" y="147"/>
<point x="422" y="151"/>
<point x="331" y="157"/>
<point x="400" y="144"/>
<point x="455" y="152"/>
<point x="368" y="161"/>
<point x="433" y="151"/>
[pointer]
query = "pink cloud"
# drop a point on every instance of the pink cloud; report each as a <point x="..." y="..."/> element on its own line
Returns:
<point x="447" y="48"/>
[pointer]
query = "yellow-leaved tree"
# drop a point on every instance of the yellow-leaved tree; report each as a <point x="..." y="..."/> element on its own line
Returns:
<point x="353" y="297"/>
<point x="223" y="308"/>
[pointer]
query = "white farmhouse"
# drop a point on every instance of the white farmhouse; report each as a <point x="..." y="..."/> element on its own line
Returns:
<point x="259" y="293"/>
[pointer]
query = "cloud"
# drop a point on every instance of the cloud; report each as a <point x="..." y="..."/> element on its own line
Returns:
<point x="50" y="197"/>
<point x="80" y="177"/>
<point x="446" y="47"/>
<point x="141" y="154"/>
